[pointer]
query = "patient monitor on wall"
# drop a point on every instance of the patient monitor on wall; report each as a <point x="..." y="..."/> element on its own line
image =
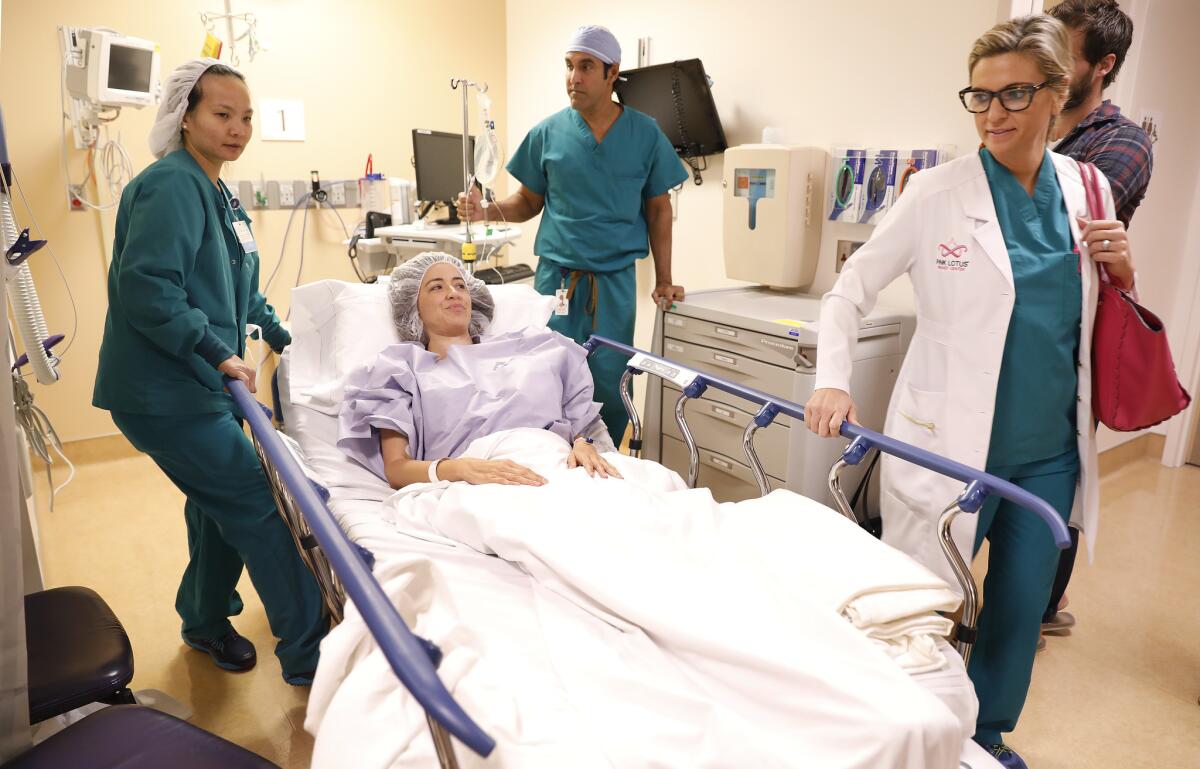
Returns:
<point x="772" y="214"/>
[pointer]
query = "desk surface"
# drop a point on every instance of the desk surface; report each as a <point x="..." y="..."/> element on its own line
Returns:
<point x="455" y="233"/>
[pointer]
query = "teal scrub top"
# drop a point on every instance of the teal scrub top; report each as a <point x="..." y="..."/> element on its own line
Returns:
<point x="181" y="289"/>
<point x="1036" y="393"/>
<point x="594" y="217"/>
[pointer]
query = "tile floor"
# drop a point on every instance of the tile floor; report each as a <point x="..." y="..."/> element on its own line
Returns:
<point x="1120" y="691"/>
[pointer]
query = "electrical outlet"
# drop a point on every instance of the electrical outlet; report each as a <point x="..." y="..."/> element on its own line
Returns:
<point x="245" y="193"/>
<point x="337" y="194"/>
<point x="74" y="197"/>
<point x="287" y="195"/>
<point x="845" y="249"/>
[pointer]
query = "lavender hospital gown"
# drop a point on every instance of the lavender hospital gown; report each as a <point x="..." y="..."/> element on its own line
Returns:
<point x="538" y="379"/>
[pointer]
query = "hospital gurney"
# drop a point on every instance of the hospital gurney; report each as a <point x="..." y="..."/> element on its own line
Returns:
<point x="415" y="661"/>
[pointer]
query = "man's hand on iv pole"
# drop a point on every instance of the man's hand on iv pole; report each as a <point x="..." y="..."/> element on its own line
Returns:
<point x="468" y="207"/>
<point x="827" y="409"/>
<point x="584" y="454"/>
<point x="236" y="368"/>
<point x="665" y="294"/>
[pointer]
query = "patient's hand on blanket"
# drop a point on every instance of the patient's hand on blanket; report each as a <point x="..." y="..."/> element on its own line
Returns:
<point x="401" y="469"/>
<point x="584" y="454"/>
<point x="479" y="471"/>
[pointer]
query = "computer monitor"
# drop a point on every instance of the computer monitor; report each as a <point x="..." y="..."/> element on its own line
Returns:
<point x="438" y="159"/>
<point x="111" y="70"/>
<point x="678" y="97"/>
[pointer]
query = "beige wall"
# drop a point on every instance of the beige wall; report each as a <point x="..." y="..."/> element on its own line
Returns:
<point x="1160" y="74"/>
<point x="873" y="72"/>
<point x="819" y="87"/>
<point x="1166" y="253"/>
<point x="368" y="71"/>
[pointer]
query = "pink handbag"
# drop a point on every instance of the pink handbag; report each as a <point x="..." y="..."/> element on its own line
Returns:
<point x="1134" y="384"/>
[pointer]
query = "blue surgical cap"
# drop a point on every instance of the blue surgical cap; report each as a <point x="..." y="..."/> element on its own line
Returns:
<point x="597" y="41"/>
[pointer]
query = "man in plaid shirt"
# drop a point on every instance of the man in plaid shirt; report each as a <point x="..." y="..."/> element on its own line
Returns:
<point x="1093" y="129"/>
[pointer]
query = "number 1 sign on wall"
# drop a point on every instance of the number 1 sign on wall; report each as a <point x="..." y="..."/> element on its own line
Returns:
<point x="281" y="120"/>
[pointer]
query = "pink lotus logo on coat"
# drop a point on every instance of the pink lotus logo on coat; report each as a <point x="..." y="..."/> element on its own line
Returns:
<point x="951" y="257"/>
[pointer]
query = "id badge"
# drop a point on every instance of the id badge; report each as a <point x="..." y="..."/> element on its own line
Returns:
<point x="561" y="296"/>
<point x="244" y="236"/>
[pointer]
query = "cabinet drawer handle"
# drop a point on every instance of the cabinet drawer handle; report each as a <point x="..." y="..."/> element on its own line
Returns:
<point x="724" y="359"/>
<point x="721" y="463"/>
<point x="726" y="332"/>
<point x="723" y="413"/>
<point x="674" y="347"/>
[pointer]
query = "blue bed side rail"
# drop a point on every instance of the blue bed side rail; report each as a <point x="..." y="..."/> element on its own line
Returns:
<point x="408" y="655"/>
<point x="981" y="484"/>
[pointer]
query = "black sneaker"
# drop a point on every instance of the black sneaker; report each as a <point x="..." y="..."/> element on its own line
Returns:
<point x="229" y="652"/>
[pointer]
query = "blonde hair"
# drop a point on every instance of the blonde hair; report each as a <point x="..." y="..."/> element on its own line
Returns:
<point x="1042" y="38"/>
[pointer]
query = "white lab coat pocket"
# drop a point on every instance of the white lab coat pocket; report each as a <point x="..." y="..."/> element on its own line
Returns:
<point x="921" y="409"/>
<point x="917" y="420"/>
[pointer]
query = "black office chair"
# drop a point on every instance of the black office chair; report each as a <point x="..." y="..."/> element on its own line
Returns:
<point x="136" y="737"/>
<point x="78" y="652"/>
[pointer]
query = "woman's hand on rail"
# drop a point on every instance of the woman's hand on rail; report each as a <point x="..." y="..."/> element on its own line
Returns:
<point x="827" y="409"/>
<point x="480" y="471"/>
<point x="584" y="454"/>
<point x="468" y="206"/>
<point x="236" y="368"/>
<point x="1107" y="241"/>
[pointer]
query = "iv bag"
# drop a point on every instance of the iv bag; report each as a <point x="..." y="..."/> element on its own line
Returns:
<point x="489" y="156"/>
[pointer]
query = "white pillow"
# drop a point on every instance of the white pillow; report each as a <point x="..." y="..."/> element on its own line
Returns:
<point x="339" y="326"/>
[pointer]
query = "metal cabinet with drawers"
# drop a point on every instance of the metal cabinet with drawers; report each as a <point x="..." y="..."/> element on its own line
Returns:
<point x="766" y="340"/>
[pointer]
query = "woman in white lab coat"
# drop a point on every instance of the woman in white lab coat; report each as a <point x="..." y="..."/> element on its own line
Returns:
<point x="998" y="375"/>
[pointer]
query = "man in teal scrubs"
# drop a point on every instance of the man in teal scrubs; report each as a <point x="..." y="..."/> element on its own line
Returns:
<point x="182" y="286"/>
<point x="1037" y="387"/>
<point x="600" y="174"/>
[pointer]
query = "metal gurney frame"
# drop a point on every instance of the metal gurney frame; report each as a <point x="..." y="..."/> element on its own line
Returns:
<point x="979" y="484"/>
<point x="343" y="571"/>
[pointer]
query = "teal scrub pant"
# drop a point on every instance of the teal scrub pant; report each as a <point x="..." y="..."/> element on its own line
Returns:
<point x="231" y="521"/>
<point x="1022" y="561"/>
<point x="603" y="303"/>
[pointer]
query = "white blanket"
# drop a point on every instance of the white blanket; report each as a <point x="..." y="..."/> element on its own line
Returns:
<point x="781" y="540"/>
<point x="733" y="624"/>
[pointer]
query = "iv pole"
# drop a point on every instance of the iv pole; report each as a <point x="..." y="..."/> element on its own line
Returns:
<point x="468" y="248"/>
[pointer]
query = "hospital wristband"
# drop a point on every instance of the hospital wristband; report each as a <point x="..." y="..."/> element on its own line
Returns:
<point x="433" y="471"/>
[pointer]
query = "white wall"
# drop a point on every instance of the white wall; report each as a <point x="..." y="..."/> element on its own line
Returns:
<point x="1161" y="74"/>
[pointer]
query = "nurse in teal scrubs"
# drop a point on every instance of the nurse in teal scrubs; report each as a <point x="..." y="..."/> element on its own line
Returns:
<point x="600" y="174"/>
<point x="182" y="286"/>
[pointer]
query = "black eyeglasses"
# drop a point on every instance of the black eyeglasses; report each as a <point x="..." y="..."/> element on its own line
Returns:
<point x="1014" y="98"/>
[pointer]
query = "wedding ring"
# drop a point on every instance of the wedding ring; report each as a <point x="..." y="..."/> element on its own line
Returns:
<point x="1104" y="245"/>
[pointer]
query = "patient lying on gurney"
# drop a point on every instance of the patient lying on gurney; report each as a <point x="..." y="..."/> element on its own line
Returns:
<point x="778" y="611"/>
<point x="410" y="414"/>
